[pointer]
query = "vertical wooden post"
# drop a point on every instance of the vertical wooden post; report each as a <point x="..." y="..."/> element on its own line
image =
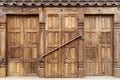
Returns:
<point x="41" y="67"/>
<point x="80" y="46"/>
<point x="116" y="61"/>
<point x="3" y="49"/>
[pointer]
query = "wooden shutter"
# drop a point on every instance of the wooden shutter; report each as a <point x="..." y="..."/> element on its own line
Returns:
<point x="69" y="52"/>
<point x="53" y="40"/>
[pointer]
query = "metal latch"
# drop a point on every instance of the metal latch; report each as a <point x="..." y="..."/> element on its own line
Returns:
<point x="1" y="59"/>
<point x="82" y="37"/>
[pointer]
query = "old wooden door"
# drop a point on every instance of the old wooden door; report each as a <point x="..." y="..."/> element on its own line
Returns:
<point x="23" y="45"/>
<point x="53" y="40"/>
<point x="98" y="45"/>
<point x="69" y="52"/>
<point x="59" y="30"/>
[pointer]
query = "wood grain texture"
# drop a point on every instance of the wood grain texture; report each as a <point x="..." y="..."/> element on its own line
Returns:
<point x="98" y="45"/>
<point x="53" y="40"/>
<point x="22" y="45"/>
<point x="69" y="52"/>
<point x="30" y="37"/>
<point x="59" y="30"/>
<point x="3" y="49"/>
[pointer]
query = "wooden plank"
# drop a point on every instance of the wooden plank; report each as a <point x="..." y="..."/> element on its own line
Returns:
<point x="31" y="45"/>
<point x="3" y="49"/>
<point x="53" y="40"/>
<point x="69" y="56"/>
<point x="80" y="43"/>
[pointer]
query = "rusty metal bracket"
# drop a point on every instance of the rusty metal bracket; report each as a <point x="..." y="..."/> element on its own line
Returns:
<point x="1" y="59"/>
<point x="42" y="57"/>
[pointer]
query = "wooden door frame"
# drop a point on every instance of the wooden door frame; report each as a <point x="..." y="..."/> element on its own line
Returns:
<point x="112" y="32"/>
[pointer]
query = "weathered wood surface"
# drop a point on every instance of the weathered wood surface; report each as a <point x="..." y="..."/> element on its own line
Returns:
<point x="98" y="45"/>
<point x="52" y="27"/>
<point x="3" y="49"/>
<point x="116" y="46"/>
<point x="23" y="46"/>
<point x="59" y="30"/>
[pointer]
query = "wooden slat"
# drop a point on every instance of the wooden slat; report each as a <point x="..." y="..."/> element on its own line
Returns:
<point x="3" y="50"/>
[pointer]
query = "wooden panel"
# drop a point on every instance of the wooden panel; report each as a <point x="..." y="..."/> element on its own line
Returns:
<point x="116" y="49"/>
<point x="80" y="44"/>
<point x="15" y="68"/>
<point x="31" y="46"/>
<point x="91" y="46"/>
<point x="2" y="72"/>
<point x="98" y="45"/>
<point x="69" y="52"/>
<point x="3" y="49"/>
<point x="106" y="45"/>
<point x="22" y="44"/>
<point x="15" y="50"/>
<point x="59" y="30"/>
<point x="53" y="40"/>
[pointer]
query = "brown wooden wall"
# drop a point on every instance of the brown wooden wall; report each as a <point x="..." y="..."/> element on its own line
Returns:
<point x="57" y="26"/>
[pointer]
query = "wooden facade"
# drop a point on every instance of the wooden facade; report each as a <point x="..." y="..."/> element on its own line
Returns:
<point x="60" y="39"/>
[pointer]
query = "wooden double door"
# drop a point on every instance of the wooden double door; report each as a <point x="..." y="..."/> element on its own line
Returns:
<point x="61" y="28"/>
<point x="98" y="45"/>
<point x="23" y="46"/>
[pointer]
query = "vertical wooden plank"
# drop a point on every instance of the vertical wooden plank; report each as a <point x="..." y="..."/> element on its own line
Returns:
<point x="53" y="40"/>
<point x="3" y="49"/>
<point x="41" y="67"/>
<point x="116" y="27"/>
<point x="31" y="45"/>
<point x="70" y="53"/>
<point x="106" y="45"/>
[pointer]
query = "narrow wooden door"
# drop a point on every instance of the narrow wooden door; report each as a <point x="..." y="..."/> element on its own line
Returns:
<point x="31" y="45"/>
<point x="69" y="52"/>
<point x="98" y="45"/>
<point x="53" y="40"/>
<point x="15" y="49"/>
<point x="22" y="52"/>
<point x="59" y="30"/>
